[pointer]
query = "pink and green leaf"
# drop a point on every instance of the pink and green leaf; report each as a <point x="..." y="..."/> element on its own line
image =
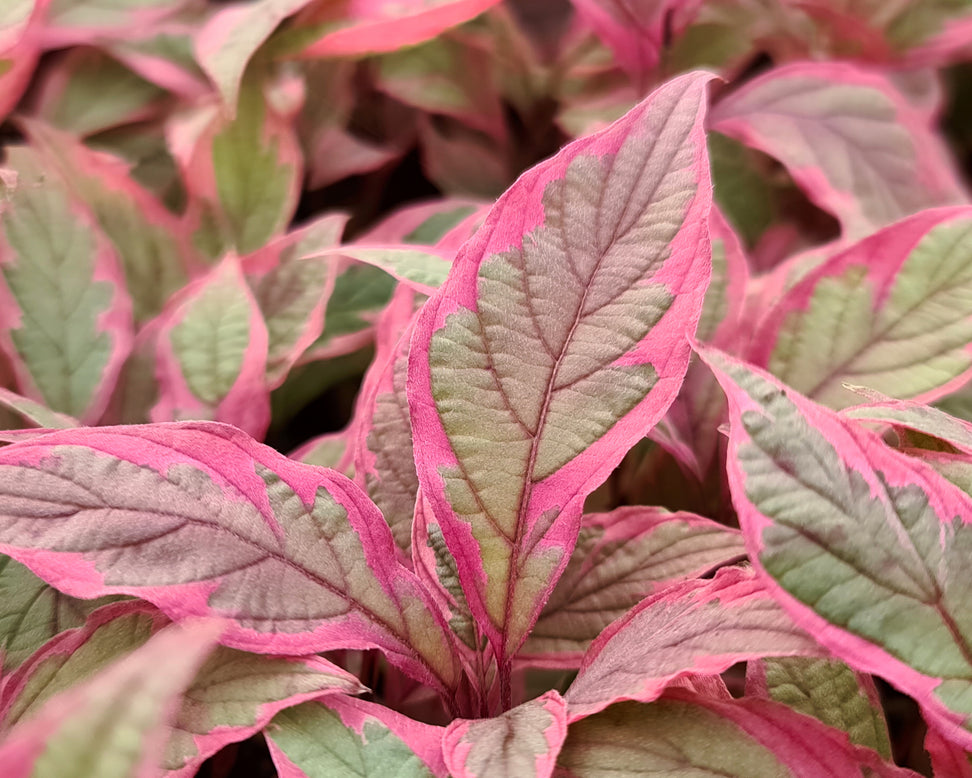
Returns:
<point x="911" y="417"/>
<point x="117" y="722"/>
<point x="65" y="314"/>
<point x="21" y="24"/>
<point x="151" y="243"/>
<point x="692" y="734"/>
<point x="292" y="281"/>
<point x="34" y="413"/>
<point x="621" y="557"/>
<point x="199" y="519"/>
<point x="523" y="741"/>
<point x="436" y="568"/>
<point x="373" y="26"/>
<point x="694" y="626"/>
<point x="232" y="35"/>
<point x="233" y="695"/>
<point x="354" y="738"/>
<point x="89" y="92"/>
<point x="212" y="353"/>
<point x="383" y="452"/>
<point x="828" y="690"/>
<point x="236" y="694"/>
<point x="73" y="656"/>
<point x="72" y="22"/>
<point x="243" y="173"/>
<point x="553" y="346"/>
<point x="864" y="546"/>
<point x="892" y="312"/>
<point x="848" y="137"/>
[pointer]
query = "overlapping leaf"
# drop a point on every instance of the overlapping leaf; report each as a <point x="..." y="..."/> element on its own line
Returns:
<point x="865" y="547"/>
<point x="151" y="243"/>
<point x="292" y="283"/>
<point x="344" y="736"/>
<point x="892" y="312"/>
<point x="233" y="695"/>
<point x="32" y="612"/>
<point x="212" y="351"/>
<point x="243" y="174"/>
<point x="362" y="291"/>
<point x="115" y="724"/>
<point x="201" y="520"/>
<point x="692" y="734"/>
<point x="34" y="413"/>
<point x="696" y="626"/>
<point x="90" y="92"/>
<point x="554" y="345"/>
<point x="621" y="557"/>
<point x="848" y="137"/>
<point x="690" y="430"/>
<point x="522" y="741"/>
<point x="383" y="453"/>
<point x="828" y="690"/>
<point x="633" y="30"/>
<point x="65" y="315"/>
<point x="231" y="37"/>
<point x="904" y="416"/>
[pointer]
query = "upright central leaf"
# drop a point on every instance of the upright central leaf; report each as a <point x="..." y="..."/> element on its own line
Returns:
<point x="556" y="343"/>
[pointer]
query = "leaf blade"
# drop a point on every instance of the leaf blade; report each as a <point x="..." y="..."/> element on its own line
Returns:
<point x="295" y="556"/>
<point x="890" y="531"/>
<point x="501" y="462"/>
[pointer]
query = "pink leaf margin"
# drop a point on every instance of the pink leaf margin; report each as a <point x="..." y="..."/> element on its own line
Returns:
<point x="228" y="456"/>
<point x="865" y="452"/>
<point x="883" y="254"/>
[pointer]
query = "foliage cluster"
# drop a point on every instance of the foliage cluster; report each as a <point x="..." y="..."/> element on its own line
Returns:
<point x="661" y="460"/>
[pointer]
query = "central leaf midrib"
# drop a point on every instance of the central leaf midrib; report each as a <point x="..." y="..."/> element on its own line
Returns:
<point x="647" y="157"/>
